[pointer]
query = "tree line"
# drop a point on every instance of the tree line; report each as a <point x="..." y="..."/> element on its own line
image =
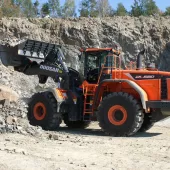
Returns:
<point x="87" y="8"/>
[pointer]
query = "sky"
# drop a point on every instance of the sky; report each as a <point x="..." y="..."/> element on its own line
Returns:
<point x="162" y="4"/>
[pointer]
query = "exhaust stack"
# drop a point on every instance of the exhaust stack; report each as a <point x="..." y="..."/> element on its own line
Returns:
<point x="139" y="59"/>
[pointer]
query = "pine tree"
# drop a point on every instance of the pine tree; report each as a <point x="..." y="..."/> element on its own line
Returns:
<point x="26" y="7"/>
<point x="167" y="12"/>
<point x="93" y="8"/>
<point x="69" y="9"/>
<point x="45" y="10"/>
<point x="144" y="7"/>
<point x="55" y="8"/>
<point x="84" y="8"/>
<point x="150" y="7"/>
<point x="35" y="5"/>
<point x="137" y="8"/>
<point x="121" y="10"/>
<point x="104" y="8"/>
<point x="9" y="9"/>
<point x="89" y="8"/>
<point x="17" y="2"/>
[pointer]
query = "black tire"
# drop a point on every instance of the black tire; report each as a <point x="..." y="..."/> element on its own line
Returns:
<point x="147" y="123"/>
<point x="121" y="104"/>
<point x="48" y="119"/>
<point x="76" y="124"/>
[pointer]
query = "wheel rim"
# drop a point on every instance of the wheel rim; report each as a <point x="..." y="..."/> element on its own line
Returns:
<point x="39" y="111"/>
<point x="117" y="115"/>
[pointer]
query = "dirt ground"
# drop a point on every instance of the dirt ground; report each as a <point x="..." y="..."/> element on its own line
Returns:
<point x="87" y="149"/>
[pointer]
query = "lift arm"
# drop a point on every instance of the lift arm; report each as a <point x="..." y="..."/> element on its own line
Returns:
<point x="36" y="58"/>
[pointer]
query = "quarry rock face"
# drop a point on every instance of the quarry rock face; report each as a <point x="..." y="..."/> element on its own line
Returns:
<point x="130" y="33"/>
<point x="165" y="58"/>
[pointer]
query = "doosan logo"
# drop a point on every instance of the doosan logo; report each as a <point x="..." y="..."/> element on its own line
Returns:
<point x="48" y="68"/>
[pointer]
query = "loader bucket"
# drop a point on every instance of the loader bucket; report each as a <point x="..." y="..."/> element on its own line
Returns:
<point x="9" y="56"/>
<point x="29" y="49"/>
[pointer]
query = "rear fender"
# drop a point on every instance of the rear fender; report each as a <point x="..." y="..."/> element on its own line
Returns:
<point x="139" y="90"/>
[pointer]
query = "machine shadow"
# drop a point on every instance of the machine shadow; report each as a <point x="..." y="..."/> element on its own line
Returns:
<point x="145" y="135"/>
<point x="98" y="132"/>
<point x="88" y="131"/>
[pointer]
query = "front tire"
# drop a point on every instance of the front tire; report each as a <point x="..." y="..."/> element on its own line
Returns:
<point x="42" y="111"/>
<point x="147" y="123"/>
<point x="120" y="114"/>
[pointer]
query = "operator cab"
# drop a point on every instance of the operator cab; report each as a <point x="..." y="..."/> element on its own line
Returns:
<point x="95" y="58"/>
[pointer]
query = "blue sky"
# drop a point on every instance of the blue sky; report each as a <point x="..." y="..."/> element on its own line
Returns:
<point x="162" y="4"/>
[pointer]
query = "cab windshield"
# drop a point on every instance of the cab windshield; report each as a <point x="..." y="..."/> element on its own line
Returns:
<point x="95" y="60"/>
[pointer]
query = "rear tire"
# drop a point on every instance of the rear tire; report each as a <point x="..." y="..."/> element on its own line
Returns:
<point x="120" y="114"/>
<point x="42" y="111"/>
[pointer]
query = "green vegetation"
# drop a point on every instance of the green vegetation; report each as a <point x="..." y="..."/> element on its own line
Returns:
<point x="86" y="8"/>
<point x="121" y="10"/>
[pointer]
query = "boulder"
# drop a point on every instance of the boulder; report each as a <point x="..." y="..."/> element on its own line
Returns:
<point x="8" y="94"/>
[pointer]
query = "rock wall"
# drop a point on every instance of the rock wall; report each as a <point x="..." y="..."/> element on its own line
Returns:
<point x="131" y="33"/>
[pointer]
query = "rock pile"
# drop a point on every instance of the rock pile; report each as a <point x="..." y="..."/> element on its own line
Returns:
<point x="15" y="90"/>
<point x="13" y="117"/>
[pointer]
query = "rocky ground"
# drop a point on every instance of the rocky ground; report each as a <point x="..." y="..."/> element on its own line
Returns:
<point x="86" y="149"/>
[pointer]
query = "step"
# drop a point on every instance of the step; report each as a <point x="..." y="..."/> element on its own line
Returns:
<point x="88" y="109"/>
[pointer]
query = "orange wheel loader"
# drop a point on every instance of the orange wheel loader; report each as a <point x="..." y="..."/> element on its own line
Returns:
<point x="124" y="100"/>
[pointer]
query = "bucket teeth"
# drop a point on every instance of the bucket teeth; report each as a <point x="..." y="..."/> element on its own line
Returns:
<point x="13" y="54"/>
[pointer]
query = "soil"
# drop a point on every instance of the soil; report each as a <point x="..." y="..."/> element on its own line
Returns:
<point x="87" y="149"/>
